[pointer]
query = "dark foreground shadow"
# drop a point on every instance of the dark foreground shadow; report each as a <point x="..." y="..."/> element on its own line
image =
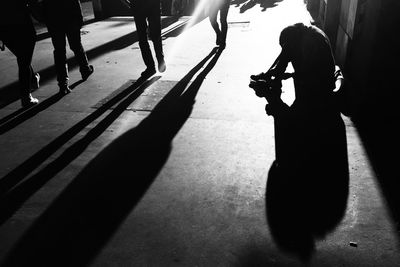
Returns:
<point x="13" y="192"/>
<point x="307" y="187"/>
<point x="379" y="132"/>
<point x="87" y="213"/>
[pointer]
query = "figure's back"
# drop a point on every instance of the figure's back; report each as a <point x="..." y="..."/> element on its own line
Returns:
<point x="313" y="61"/>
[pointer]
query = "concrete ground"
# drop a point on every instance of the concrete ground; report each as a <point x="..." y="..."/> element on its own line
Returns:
<point x="172" y="172"/>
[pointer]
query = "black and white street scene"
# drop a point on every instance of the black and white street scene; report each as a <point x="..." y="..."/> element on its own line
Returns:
<point x="243" y="133"/>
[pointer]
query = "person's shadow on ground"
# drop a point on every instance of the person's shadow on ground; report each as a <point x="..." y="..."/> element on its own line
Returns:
<point x="248" y="4"/>
<point x="87" y="213"/>
<point x="307" y="186"/>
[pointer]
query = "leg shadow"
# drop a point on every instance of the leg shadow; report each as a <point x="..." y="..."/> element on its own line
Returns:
<point x="24" y="114"/>
<point x="307" y="187"/>
<point x="87" y="213"/>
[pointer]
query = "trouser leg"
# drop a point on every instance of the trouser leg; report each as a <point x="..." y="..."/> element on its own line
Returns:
<point x="155" y="33"/>
<point x="141" y="28"/>
<point x="213" y="20"/>
<point x="58" y="38"/>
<point x="75" y="43"/>
<point x="21" y="43"/>
<point x="224" y="23"/>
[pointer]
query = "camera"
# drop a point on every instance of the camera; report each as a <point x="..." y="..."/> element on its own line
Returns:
<point x="266" y="85"/>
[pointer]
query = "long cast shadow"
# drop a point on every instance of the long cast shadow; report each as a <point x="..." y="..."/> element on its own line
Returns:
<point x="22" y="115"/>
<point x="24" y="169"/>
<point x="86" y="214"/>
<point x="307" y="186"/>
<point x="19" y="116"/>
<point x="11" y="198"/>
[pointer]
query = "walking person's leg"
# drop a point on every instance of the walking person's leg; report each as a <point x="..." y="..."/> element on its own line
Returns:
<point x="21" y="43"/>
<point x="58" y="38"/>
<point x="224" y="23"/>
<point x="75" y="43"/>
<point x="155" y="34"/>
<point x="141" y="28"/>
<point x="212" y="16"/>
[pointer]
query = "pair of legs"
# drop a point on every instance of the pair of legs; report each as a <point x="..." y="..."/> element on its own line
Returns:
<point x="150" y="19"/>
<point x="221" y="32"/>
<point x="21" y="42"/>
<point x="59" y="33"/>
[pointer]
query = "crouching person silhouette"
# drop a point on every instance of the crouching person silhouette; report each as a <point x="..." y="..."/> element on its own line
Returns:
<point x="307" y="185"/>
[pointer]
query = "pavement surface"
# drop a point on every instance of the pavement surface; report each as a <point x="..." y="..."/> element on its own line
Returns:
<point x="172" y="171"/>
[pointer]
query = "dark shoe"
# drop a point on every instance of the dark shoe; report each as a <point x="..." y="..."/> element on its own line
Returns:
<point x="86" y="72"/>
<point x="161" y="65"/>
<point x="29" y="101"/>
<point x="35" y="81"/>
<point x="64" y="90"/>
<point x="147" y="73"/>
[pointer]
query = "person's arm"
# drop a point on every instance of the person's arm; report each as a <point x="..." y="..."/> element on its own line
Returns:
<point x="277" y="69"/>
<point x="280" y="64"/>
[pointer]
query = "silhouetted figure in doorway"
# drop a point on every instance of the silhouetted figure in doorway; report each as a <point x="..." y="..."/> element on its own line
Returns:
<point x="221" y="7"/>
<point x="307" y="186"/>
<point x="64" y="20"/>
<point x="147" y="16"/>
<point x="18" y="34"/>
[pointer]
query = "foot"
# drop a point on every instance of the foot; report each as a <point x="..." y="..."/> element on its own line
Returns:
<point x="147" y="73"/>
<point x="64" y="89"/>
<point x="29" y="101"/>
<point x="35" y="81"/>
<point x="161" y="65"/>
<point x="86" y="72"/>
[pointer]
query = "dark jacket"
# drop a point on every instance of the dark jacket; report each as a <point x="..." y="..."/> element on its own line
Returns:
<point x="13" y="12"/>
<point x="63" y="12"/>
<point x="139" y="6"/>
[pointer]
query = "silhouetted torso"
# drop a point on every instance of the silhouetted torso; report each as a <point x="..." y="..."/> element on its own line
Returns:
<point x="145" y="5"/>
<point x="313" y="63"/>
<point x="62" y="11"/>
<point x="13" y="12"/>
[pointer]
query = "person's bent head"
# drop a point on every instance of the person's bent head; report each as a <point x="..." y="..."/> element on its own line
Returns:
<point x="291" y="35"/>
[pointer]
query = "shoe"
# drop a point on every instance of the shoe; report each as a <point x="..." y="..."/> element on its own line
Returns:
<point x="161" y="65"/>
<point x="147" y="73"/>
<point x="86" y="72"/>
<point x="35" y="81"/>
<point x="64" y="89"/>
<point x="29" y="101"/>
